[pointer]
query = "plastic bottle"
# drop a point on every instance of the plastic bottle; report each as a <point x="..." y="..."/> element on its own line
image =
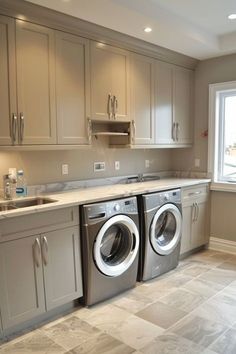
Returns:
<point x="21" y="186"/>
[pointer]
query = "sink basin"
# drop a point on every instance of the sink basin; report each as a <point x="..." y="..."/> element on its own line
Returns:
<point x="24" y="203"/>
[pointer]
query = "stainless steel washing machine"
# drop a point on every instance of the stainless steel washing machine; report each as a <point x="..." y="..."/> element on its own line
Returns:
<point x="161" y="221"/>
<point x="110" y="244"/>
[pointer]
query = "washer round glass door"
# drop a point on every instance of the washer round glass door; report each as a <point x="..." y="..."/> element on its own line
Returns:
<point x="116" y="245"/>
<point x="165" y="231"/>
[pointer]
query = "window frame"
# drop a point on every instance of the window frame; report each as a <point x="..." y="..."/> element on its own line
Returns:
<point x="217" y="92"/>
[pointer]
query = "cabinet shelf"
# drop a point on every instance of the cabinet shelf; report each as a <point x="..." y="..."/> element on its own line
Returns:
<point x="110" y="133"/>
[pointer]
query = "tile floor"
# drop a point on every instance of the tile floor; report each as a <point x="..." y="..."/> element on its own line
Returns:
<point x="192" y="309"/>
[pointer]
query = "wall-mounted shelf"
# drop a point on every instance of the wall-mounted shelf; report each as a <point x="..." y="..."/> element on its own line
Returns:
<point x="110" y="134"/>
<point x="118" y="133"/>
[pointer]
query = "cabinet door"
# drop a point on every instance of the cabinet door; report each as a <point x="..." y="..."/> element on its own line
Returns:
<point x="142" y="98"/>
<point x="21" y="279"/>
<point x="182" y="99"/>
<point x="72" y="88"/>
<point x="187" y="212"/>
<point x="164" y="104"/>
<point x="198" y="237"/>
<point x="8" y="133"/>
<point x="109" y="76"/>
<point x="35" y="54"/>
<point x="62" y="266"/>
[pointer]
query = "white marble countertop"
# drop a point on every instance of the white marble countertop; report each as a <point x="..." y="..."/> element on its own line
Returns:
<point x="96" y="194"/>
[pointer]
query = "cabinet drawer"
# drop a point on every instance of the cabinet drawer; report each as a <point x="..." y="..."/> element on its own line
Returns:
<point x="195" y="193"/>
<point x="32" y="224"/>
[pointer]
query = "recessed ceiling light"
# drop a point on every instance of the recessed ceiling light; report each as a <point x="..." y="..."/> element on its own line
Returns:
<point x="232" y="17"/>
<point x="147" y="29"/>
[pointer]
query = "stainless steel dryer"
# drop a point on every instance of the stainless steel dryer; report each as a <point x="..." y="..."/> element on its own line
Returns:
<point x="110" y="244"/>
<point x="161" y="233"/>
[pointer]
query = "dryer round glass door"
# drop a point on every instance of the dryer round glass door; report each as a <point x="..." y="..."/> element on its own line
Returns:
<point x="116" y="245"/>
<point x="165" y="231"/>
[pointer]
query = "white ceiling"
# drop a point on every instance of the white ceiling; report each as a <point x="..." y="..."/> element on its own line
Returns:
<point x="198" y="28"/>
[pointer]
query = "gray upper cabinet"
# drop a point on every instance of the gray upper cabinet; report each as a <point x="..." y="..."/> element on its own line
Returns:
<point x="8" y="117"/>
<point x="164" y="104"/>
<point x="182" y="104"/>
<point x="110" y="83"/>
<point x="61" y="258"/>
<point x="142" y="99"/>
<point x="21" y="279"/>
<point x="173" y="102"/>
<point x="72" y="88"/>
<point x="35" y="57"/>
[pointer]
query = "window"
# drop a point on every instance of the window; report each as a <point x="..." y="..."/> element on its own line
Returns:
<point x="222" y="133"/>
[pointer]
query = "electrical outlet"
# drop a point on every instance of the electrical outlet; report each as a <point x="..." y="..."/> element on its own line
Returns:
<point x="197" y="162"/>
<point x="117" y="165"/>
<point x="147" y="163"/>
<point x="65" y="169"/>
<point x="99" y="166"/>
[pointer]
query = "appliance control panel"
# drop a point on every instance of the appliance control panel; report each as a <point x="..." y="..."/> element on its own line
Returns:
<point x="107" y="209"/>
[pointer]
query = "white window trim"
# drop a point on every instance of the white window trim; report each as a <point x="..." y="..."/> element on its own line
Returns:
<point x="213" y="137"/>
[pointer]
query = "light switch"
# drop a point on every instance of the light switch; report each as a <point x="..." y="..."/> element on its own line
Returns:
<point x="65" y="169"/>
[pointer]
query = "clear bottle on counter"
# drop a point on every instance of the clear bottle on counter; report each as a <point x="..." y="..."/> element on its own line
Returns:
<point x="21" y="185"/>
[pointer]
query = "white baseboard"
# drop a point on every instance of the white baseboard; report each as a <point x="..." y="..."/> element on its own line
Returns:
<point x="218" y="244"/>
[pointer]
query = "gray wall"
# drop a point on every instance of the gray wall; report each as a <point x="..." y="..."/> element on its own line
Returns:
<point x="223" y="205"/>
<point x="45" y="166"/>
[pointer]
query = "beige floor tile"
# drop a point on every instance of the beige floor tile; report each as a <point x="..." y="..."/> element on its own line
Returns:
<point x="228" y="266"/>
<point x="161" y="314"/>
<point x="71" y="332"/>
<point x="199" y="330"/>
<point x="106" y="317"/>
<point x="220" y="308"/>
<point x="102" y="344"/>
<point x="219" y="276"/>
<point x="136" y="332"/>
<point x="172" y="344"/>
<point x="133" y="301"/>
<point x="195" y="270"/>
<point x="37" y="343"/>
<point x="203" y="287"/>
<point x="183" y="300"/>
<point x="226" y="343"/>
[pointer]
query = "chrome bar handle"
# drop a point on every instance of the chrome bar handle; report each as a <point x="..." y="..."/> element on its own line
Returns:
<point x="193" y="212"/>
<point x="22" y="127"/>
<point x="177" y="131"/>
<point x="89" y="130"/>
<point x="115" y="106"/>
<point x="13" y="127"/>
<point x="45" y="250"/>
<point x="173" y="131"/>
<point x="197" y="213"/>
<point x="37" y="252"/>
<point x="109" y="106"/>
<point x="134" y="130"/>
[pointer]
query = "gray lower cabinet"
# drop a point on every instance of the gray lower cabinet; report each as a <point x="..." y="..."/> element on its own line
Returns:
<point x="195" y="210"/>
<point x="61" y="265"/>
<point x="21" y="279"/>
<point x="39" y="273"/>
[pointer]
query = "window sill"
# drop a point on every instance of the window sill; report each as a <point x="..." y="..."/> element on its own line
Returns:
<point x="223" y="187"/>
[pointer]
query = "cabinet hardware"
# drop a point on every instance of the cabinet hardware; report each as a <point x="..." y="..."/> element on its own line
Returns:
<point x="89" y="130"/>
<point x="134" y="130"/>
<point x="193" y="212"/>
<point x="115" y="106"/>
<point x="45" y="250"/>
<point x="173" y="131"/>
<point x="194" y="193"/>
<point x="177" y="131"/>
<point x="197" y="211"/>
<point x="22" y="127"/>
<point x="36" y="252"/>
<point x="109" y="106"/>
<point x="13" y="127"/>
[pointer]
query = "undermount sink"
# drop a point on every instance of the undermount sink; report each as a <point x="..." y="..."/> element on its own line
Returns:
<point x="24" y="203"/>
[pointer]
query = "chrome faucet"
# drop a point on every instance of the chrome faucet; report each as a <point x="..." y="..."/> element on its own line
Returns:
<point x="140" y="177"/>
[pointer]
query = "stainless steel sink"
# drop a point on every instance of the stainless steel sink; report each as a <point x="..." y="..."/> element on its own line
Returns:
<point x="24" y="203"/>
